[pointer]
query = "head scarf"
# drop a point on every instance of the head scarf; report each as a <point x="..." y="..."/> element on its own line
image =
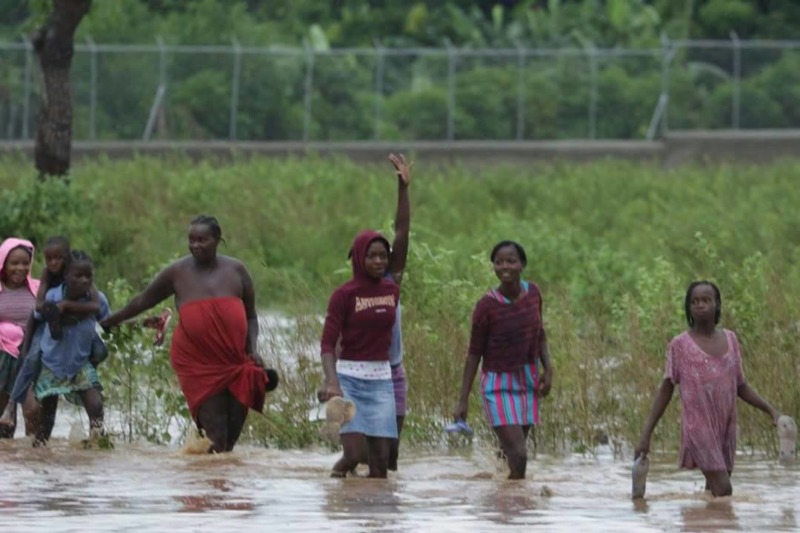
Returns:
<point x="358" y="255"/>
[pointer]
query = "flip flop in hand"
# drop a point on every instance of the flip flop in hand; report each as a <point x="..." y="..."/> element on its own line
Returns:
<point x="159" y="323"/>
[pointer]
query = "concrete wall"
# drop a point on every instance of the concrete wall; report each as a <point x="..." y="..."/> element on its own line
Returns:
<point x="675" y="149"/>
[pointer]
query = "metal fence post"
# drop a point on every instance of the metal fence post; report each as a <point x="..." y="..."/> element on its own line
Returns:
<point x="26" y="102"/>
<point x="667" y="53"/>
<point x="309" y="86"/>
<point x="92" y="87"/>
<point x="162" y="61"/>
<point x="380" y="67"/>
<point x="737" y="81"/>
<point x="592" y="52"/>
<point x="451" y="90"/>
<point x="158" y="99"/>
<point x="520" y="92"/>
<point x="237" y="68"/>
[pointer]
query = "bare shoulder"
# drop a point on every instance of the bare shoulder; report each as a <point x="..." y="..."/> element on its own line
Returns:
<point x="231" y="262"/>
<point x="181" y="264"/>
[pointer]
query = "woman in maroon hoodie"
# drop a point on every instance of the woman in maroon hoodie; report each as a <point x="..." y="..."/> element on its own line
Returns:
<point x="362" y="312"/>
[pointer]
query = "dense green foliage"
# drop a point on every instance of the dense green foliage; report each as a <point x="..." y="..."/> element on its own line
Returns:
<point x="613" y="246"/>
<point x="356" y="95"/>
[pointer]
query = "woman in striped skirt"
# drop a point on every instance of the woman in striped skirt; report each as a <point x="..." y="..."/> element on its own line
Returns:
<point x="508" y="335"/>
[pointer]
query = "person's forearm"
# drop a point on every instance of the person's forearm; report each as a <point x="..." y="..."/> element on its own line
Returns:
<point x="750" y="396"/>
<point x="659" y="406"/>
<point x="80" y="309"/>
<point x="402" y="220"/>
<point x="544" y="356"/>
<point x="136" y="306"/>
<point x="329" y="368"/>
<point x="470" y="369"/>
<point x="252" y="335"/>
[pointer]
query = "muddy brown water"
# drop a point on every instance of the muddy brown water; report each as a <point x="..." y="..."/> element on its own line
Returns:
<point x="142" y="487"/>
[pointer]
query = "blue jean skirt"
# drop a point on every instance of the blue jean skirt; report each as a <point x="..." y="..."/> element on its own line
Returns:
<point x="375" y="408"/>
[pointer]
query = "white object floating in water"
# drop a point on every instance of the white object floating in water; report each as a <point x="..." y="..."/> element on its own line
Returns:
<point x="639" y="477"/>
<point x="787" y="438"/>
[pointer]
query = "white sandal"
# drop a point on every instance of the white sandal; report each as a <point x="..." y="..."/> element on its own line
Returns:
<point x="639" y="477"/>
<point x="787" y="437"/>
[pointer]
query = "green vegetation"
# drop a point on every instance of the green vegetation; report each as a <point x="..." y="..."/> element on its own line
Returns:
<point x="552" y="95"/>
<point x="613" y="246"/>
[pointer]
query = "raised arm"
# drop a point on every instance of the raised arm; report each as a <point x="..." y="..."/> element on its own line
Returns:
<point x="660" y="404"/>
<point x="161" y="288"/>
<point x="249" y="300"/>
<point x="402" y="221"/>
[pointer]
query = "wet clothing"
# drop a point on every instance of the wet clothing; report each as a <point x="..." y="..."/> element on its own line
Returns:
<point x="509" y="398"/>
<point x="208" y="353"/>
<point x="49" y="384"/>
<point x="375" y="414"/>
<point x="507" y="335"/>
<point x="65" y="357"/>
<point x="708" y="391"/>
<point x="361" y="311"/>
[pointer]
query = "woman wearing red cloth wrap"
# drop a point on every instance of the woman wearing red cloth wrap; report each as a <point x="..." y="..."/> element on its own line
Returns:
<point x="213" y="347"/>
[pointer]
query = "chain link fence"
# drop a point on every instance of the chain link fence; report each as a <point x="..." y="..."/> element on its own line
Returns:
<point x="179" y="92"/>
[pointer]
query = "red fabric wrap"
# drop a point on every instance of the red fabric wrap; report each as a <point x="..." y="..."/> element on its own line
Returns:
<point x="208" y="353"/>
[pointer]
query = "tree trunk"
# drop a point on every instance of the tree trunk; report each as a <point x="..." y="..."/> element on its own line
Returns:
<point x="54" y="48"/>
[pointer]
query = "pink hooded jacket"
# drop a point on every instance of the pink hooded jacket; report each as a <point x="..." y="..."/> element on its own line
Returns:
<point x="11" y="335"/>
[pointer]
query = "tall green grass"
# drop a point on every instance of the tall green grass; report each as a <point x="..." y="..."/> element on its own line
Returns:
<point x="613" y="246"/>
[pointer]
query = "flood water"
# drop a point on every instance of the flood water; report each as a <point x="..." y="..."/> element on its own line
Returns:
<point x="141" y="487"/>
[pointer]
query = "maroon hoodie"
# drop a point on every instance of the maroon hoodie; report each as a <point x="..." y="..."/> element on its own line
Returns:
<point x="362" y="310"/>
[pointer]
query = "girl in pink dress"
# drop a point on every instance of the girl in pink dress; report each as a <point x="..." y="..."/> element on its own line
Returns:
<point x="706" y="362"/>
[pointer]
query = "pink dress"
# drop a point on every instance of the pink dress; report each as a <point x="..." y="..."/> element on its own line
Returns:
<point x="708" y="391"/>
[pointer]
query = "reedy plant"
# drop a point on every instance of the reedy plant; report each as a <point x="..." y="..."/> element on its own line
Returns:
<point x="613" y="247"/>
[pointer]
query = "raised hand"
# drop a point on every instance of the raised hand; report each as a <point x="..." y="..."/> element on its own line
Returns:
<point x="402" y="168"/>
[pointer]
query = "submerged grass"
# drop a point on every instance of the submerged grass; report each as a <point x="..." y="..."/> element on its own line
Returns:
<point x="612" y="245"/>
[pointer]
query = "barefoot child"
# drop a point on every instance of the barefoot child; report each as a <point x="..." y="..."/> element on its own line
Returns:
<point x="508" y="335"/>
<point x="66" y="366"/>
<point x="706" y="363"/>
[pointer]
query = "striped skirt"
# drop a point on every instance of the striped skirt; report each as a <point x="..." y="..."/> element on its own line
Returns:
<point x="509" y="398"/>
